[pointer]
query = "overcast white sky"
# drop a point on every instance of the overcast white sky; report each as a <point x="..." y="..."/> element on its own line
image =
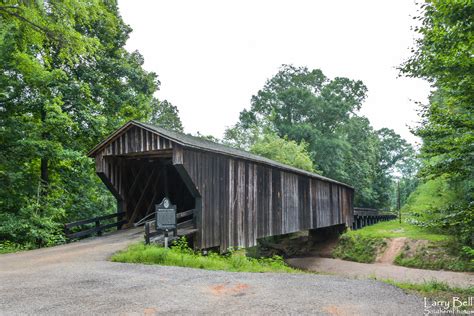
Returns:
<point x="212" y="56"/>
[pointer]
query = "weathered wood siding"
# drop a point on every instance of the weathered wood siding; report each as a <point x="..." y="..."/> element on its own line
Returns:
<point x="132" y="140"/>
<point x="244" y="200"/>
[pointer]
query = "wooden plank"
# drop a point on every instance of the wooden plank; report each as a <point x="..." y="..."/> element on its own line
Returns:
<point x="92" y="220"/>
<point x="189" y="222"/>
<point x="276" y="203"/>
<point x="184" y="214"/>
<point x="187" y="231"/>
<point x="93" y="230"/>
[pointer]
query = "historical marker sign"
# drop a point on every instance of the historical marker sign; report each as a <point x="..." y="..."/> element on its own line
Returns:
<point x="165" y="215"/>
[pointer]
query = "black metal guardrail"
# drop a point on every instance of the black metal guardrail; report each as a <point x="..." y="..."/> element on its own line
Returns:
<point x="368" y="216"/>
<point x="97" y="229"/>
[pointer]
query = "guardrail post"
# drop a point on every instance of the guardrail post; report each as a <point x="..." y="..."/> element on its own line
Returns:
<point x="147" y="233"/>
<point x="119" y="222"/>
<point x="97" y="224"/>
<point x="66" y="231"/>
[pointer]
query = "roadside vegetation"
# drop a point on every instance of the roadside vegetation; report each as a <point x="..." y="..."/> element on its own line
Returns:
<point x="359" y="248"/>
<point x="393" y="229"/>
<point x="434" y="290"/>
<point x="436" y="256"/>
<point x="181" y="255"/>
<point x="423" y="248"/>
<point x="8" y="247"/>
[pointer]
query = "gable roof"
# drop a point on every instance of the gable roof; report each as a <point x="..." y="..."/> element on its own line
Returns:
<point x="189" y="141"/>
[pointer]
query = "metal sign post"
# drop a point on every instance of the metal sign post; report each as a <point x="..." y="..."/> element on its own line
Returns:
<point x="166" y="218"/>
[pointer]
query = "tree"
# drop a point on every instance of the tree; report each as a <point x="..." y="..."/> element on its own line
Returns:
<point x="304" y="104"/>
<point x="243" y="138"/>
<point x="166" y="115"/>
<point x="66" y="81"/>
<point x="443" y="56"/>
<point x="360" y="161"/>
<point x="396" y="163"/>
<point x="209" y="138"/>
<point x="283" y="150"/>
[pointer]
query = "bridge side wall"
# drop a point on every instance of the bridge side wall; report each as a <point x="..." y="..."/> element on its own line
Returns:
<point x="243" y="200"/>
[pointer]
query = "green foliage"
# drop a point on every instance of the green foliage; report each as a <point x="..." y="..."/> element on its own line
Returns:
<point x="358" y="248"/>
<point x="394" y="229"/>
<point x="443" y="56"/>
<point x="434" y="290"/>
<point x="436" y="256"/>
<point x="182" y="256"/>
<point x="66" y="81"/>
<point x="31" y="232"/>
<point x="7" y="246"/>
<point x="284" y="151"/>
<point x="243" y="138"/>
<point x="166" y="115"/>
<point x="209" y="138"/>
<point x="432" y="194"/>
<point x="457" y="219"/>
<point x="439" y="205"/>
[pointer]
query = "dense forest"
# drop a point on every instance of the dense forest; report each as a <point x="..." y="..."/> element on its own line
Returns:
<point x="67" y="81"/>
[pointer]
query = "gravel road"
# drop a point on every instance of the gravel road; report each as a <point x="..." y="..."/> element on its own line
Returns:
<point x="77" y="279"/>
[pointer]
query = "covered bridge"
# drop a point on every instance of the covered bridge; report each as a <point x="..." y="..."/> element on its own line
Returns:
<point x="234" y="196"/>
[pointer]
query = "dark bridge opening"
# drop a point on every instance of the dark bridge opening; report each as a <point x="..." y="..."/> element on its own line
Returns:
<point x="144" y="182"/>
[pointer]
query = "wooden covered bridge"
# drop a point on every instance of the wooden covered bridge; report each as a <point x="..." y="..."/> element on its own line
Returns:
<point x="225" y="197"/>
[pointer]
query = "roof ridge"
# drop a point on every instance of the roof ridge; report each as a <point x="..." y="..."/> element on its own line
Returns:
<point x="187" y="140"/>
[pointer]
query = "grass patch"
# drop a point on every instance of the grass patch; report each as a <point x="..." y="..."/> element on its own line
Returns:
<point x="439" y="252"/>
<point x="435" y="256"/>
<point x="9" y="247"/>
<point x="358" y="248"/>
<point x="435" y="290"/>
<point x="393" y="229"/>
<point x="182" y="256"/>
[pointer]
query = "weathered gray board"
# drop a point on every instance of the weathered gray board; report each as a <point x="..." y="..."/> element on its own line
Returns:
<point x="243" y="200"/>
<point x="238" y="197"/>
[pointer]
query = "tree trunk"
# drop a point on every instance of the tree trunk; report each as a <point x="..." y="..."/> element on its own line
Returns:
<point x="44" y="172"/>
<point x="44" y="161"/>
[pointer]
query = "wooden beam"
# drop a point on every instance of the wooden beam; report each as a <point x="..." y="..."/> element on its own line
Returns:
<point x="184" y="214"/>
<point x="155" y="193"/>
<point x="136" y="180"/>
<point x="140" y="200"/>
<point x="161" y="153"/>
<point x="188" y="223"/>
<point x="92" y="220"/>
